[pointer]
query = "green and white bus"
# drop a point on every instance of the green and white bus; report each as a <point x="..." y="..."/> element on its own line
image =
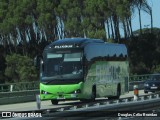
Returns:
<point x="83" y="69"/>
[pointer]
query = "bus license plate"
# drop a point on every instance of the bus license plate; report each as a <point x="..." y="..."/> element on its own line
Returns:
<point x="60" y="98"/>
<point x="73" y="95"/>
<point x="153" y="87"/>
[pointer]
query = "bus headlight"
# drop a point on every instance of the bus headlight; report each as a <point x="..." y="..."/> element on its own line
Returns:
<point x="77" y="91"/>
<point x="44" y="92"/>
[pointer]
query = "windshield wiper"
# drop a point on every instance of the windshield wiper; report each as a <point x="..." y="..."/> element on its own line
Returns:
<point x="59" y="77"/>
<point x="49" y="82"/>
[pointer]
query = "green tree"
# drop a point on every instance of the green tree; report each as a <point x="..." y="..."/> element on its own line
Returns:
<point x="47" y="21"/>
<point x="20" y="68"/>
<point x="94" y="19"/>
<point x="141" y="5"/>
<point x="70" y="17"/>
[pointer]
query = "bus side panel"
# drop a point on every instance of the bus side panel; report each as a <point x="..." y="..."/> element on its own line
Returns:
<point x="106" y="75"/>
<point x="120" y="76"/>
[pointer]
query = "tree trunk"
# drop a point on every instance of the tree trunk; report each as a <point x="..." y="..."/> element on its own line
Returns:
<point x="151" y="21"/>
<point x="108" y="29"/>
<point x="124" y="27"/>
<point x="8" y="43"/>
<point x="130" y="25"/>
<point x="140" y="23"/>
<point x="128" y="28"/>
<point x="112" y="27"/>
<point x="24" y="42"/>
<point x="117" y="29"/>
<point x="13" y="34"/>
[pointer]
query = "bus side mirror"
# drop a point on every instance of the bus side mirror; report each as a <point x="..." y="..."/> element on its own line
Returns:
<point x="37" y="61"/>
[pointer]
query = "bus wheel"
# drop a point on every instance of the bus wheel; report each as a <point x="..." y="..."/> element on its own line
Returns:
<point x="118" y="92"/>
<point x="84" y="100"/>
<point x="54" y="102"/>
<point x="93" y="96"/>
<point x="145" y="91"/>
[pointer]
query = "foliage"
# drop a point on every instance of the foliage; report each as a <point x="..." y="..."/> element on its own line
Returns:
<point x="26" y="27"/>
<point x="139" y="68"/>
<point x="2" y="78"/>
<point x="25" y="23"/>
<point x="155" y="31"/>
<point x="144" y="53"/>
<point x="156" y="69"/>
<point x="20" y="68"/>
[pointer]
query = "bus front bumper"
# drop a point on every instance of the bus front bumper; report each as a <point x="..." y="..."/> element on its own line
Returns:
<point x="59" y="97"/>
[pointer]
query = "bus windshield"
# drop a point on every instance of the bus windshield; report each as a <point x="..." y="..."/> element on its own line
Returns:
<point x="63" y="65"/>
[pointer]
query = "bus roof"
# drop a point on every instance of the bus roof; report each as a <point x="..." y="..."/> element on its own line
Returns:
<point x="92" y="47"/>
<point x="81" y="42"/>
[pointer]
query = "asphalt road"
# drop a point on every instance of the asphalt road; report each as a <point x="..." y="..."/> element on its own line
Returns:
<point x="47" y="104"/>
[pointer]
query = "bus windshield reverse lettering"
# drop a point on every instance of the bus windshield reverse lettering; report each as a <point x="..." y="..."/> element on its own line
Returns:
<point x="63" y="46"/>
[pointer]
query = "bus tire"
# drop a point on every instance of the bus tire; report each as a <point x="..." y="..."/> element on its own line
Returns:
<point x="145" y="91"/>
<point x="54" y="102"/>
<point x="84" y="100"/>
<point x="93" y="96"/>
<point x="118" y="92"/>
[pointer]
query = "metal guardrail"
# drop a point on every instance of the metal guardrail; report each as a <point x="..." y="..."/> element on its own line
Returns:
<point x="143" y="102"/>
<point x="18" y="96"/>
<point x="139" y="77"/>
<point x="107" y="108"/>
<point x="9" y="87"/>
<point x="30" y="95"/>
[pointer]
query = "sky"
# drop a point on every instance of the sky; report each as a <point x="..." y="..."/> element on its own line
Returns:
<point x="146" y="20"/>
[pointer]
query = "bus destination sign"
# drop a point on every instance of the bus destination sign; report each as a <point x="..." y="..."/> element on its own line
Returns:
<point x="63" y="46"/>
